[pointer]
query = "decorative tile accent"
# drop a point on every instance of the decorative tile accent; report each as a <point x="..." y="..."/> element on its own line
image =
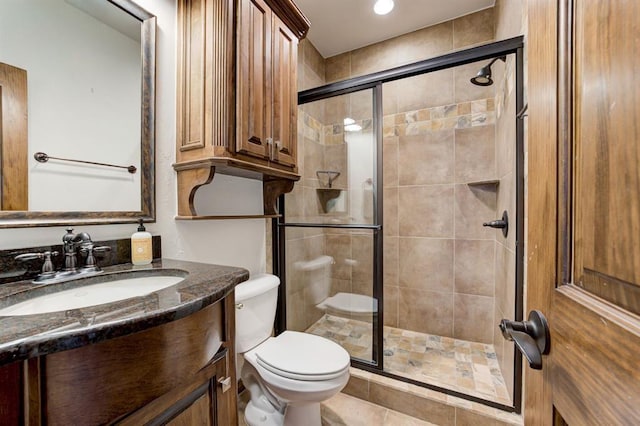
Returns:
<point x="418" y="122"/>
<point x="468" y="367"/>
<point x="454" y="116"/>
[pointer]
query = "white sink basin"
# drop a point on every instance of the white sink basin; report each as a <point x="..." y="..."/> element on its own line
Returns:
<point x="91" y="295"/>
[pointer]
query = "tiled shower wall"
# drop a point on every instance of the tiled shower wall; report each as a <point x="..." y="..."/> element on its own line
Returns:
<point x="439" y="259"/>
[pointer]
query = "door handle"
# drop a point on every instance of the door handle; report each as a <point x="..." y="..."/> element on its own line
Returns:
<point x="500" y="224"/>
<point x="531" y="337"/>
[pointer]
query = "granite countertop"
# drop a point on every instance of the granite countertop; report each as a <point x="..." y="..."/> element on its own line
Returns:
<point x="23" y="337"/>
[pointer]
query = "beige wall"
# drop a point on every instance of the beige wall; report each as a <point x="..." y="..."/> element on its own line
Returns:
<point x="474" y="29"/>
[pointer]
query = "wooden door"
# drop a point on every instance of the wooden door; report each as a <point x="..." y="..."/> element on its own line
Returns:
<point x="285" y="93"/>
<point x="254" y="108"/>
<point x="583" y="240"/>
<point x="14" y="182"/>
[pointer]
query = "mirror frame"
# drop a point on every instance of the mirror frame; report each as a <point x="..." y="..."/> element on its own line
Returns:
<point x="24" y="219"/>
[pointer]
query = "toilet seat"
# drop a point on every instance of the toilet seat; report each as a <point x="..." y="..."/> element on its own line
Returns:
<point x="302" y="356"/>
<point x="350" y="303"/>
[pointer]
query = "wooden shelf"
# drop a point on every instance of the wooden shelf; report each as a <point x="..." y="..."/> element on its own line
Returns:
<point x="194" y="174"/>
<point x="240" y="216"/>
<point x="487" y="182"/>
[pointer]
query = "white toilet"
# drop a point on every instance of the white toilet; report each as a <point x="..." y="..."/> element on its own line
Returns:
<point x="288" y="376"/>
<point x="347" y="305"/>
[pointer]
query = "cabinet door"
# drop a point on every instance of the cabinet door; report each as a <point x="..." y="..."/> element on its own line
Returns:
<point x="285" y="94"/>
<point x="254" y="78"/>
<point x="198" y="413"/>
<point x="206" y="399"/>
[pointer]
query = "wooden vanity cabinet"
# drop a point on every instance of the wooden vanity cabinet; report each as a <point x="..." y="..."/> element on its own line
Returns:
<point x="237" y="95"/>
<point x="177" y="373"/>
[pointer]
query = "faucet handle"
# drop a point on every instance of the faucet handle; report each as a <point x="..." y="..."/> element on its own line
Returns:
<point x="89" y="250"/>
<point x="101" y="249"/>
<point x="47" y="266"/>
<point x="28" y="256"/>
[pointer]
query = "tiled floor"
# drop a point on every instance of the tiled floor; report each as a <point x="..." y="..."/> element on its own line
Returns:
<point x="467" y="367"/>
<point x="345" y="410"/>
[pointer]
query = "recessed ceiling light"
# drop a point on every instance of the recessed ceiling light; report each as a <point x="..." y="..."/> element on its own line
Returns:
<point x="382" y="7"/>
<point x="351" y="126"/>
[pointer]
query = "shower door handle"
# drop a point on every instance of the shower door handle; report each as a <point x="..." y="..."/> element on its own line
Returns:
<point x="531" y="337"/>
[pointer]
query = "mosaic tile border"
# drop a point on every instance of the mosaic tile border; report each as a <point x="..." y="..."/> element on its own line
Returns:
<point x="454" y="116"/>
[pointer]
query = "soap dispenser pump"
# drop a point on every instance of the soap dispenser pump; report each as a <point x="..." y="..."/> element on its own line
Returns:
<point x="141" y="246"/>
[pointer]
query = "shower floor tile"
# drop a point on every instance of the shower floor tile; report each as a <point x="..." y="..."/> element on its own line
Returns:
<point x="467" y="367"/>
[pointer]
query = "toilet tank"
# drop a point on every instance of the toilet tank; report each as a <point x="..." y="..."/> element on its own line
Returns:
<point x="317" y="276"/>
<point x="256" y="301"/>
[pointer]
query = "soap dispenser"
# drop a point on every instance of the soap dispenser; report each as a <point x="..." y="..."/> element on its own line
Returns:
<point x="141" y="246"/>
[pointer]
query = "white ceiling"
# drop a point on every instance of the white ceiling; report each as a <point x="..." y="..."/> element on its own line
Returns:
<point x="338" y="26"/>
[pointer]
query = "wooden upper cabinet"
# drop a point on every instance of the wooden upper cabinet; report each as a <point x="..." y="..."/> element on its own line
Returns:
<point x="267" y="104"/>
<point x="254" y="79"/>
<point x="285" y="102"/>
<point x="237" y="94"/>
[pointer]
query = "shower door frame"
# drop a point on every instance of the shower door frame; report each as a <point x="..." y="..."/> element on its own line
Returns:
<point x="279" y="225"/>
<point x="374" y="81"/>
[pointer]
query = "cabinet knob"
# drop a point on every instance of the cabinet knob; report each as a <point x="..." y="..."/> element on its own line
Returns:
<point x="225" y="383"/>
<point x="270" y="144"/>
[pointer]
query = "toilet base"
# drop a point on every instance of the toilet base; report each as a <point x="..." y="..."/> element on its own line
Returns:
<point x="295" y="415"/>
<point x="256" y="416"/>
<point x="306" y="414"/>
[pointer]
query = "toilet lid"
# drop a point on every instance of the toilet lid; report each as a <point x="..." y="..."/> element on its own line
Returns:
<point x="303" y="356"/>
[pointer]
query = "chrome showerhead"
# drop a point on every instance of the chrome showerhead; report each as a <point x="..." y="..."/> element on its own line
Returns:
<point x="483" y="77"/>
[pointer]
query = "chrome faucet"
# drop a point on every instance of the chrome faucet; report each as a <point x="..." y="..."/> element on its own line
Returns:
<point x="69" y="251"/>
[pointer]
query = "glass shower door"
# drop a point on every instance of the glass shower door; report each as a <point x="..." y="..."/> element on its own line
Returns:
<point x="331" y="225"/>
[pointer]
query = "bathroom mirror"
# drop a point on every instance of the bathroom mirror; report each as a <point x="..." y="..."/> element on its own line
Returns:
<point x="85" y="90"/>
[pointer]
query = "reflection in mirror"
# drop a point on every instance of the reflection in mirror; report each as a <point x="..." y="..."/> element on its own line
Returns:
<point x="74" y="85"/>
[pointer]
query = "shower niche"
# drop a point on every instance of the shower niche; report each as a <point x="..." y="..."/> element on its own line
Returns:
<point x="332" y="200"/>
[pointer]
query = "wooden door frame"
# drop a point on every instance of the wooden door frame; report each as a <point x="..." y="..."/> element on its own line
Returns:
<point x="543" y="154"/>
